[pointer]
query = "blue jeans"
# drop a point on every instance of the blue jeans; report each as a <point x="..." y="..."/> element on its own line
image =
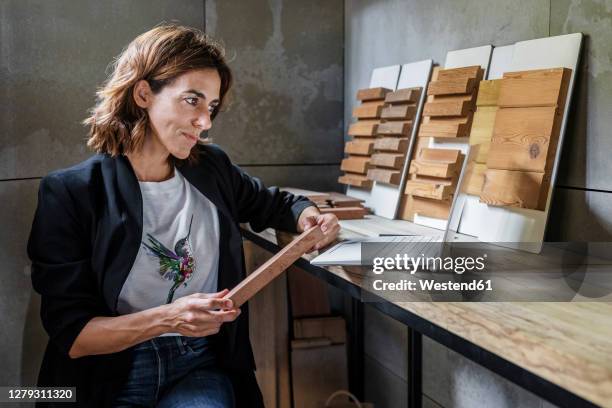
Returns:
<point x="175" y="371"/>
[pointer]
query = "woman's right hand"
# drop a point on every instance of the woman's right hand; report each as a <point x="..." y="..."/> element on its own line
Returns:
<point x="201" y="314"/>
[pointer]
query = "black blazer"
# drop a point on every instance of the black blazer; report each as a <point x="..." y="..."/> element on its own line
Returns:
<point x="84" y="239"/>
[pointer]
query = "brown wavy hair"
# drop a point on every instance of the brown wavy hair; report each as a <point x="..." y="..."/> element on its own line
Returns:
<point x="117" y="125"/>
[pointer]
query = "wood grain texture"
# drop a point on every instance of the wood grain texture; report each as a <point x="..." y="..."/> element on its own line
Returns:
<point x="431" y="208"/>
<point x="447" y="108"/>
<point x="372" y="93"/>
<point x="330" y="327"/>
<point x="522" y="139"/>
<point x="342" y="200"/>
<point x="355" y="164"/>
<point x="432" y="168"/>
<point x="395" y="128"/>
<point x="356" y="180"/>
<point x="436" y="190"/>
<point x="360" y="146"/>
<point x="346" y="213"/>
<point x="514" y="189"/>
<point x="276" y="265"/>
<point x="542" y="87"/>
<point x="399" y="112"/>
<point x="364" y="128"/>
<point x="439" y="155"/>
<point x="405" y="95"/>
<point x="390" y="160"/>
<point x="482" y="130"/>
<point x="368" y="110"/>
<point x="385" y="176"/>
<point x="474" y="178"/>
<point x="391" y="144"/>
<point x="445" y="127"/>
<point x="462" y="86"/>
<point x="488" y="92"/>
<point x="456" y="74"/>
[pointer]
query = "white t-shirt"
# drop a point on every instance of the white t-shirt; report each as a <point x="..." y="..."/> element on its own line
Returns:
<point x="179" y="251"/>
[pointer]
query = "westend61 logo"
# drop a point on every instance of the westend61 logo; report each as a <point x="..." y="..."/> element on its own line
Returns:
<point x="411" y="264"/>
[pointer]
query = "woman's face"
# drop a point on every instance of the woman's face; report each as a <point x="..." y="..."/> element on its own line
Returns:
<point x="182" y="109"/>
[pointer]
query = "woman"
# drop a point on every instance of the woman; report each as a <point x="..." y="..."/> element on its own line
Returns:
<point x="133" y="250"/>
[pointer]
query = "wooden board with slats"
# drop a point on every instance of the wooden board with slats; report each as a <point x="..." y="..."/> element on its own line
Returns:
<point x="385" y="176"/>
<point x="451" y="87"/>
<point x="368" y="110"/>
<point x="391" y="160"/>
<point x="457" y="74"/>
<point x="432" y="168"/>
<point x="544" y="87"/>
<point x="395" y="128"/>
<point x="361" y="146"/>
<point x="441" y="107"/>
<point x="510" y="188"/>
<point x="364" y="128"/>
<point x="434" y="189"/>
<point x="391" y="144"/>
<point x="355" y="164"/>
<point x="401" y="112"/>
<point x="406" y="95"/>
<point x="372" y="93"/>
<point x="445" y="127"/>
<point x="346" y="213"/>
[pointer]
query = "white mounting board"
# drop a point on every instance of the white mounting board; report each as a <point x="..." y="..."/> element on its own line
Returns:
<point x="475" y="212"/>
<point x="384" y="77"/>
<point x="510" y="226"/>
<point x="457" y="59"/>
<point x="386" y="197"/>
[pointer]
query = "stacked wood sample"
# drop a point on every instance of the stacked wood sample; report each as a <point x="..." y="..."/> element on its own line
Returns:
<point x="450" y="102"/>
<point x="525" y="138"/>
<point x="480" y="135"/>
<point x="363" y="133"/>
<point x="345" y="207"/>
<point x="394" y="135"/>
<point x="433" y="179"/>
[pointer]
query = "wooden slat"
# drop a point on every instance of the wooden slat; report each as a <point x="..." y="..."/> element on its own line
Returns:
<point x="392" y="160"/>
<point x="431" y="208"/>
<point x="433" y="169"/>
<point x="356" y="180"/>
<point x="356" y="164"/>
<point x="461" y="86"/>
<point x="488" y="92"/>
<point x="360" y="146"/>
<point x="456" y="74"/>
<point x="346" y="213"/>
<point x="253" y="283"/>
<point x="482" y="130"/>
<point x="447" y="108"/>
<point x="368" y="110"/>
<point x="430" y="189"/>
<point x="521" y="139"/>
<point x="403" y="112"/>
<point x="342" y="200"/>
<point x="439" y="155"/>
<point x="372" y="93"/>
<point x="543" y="87"/>
<point x="474" y="178"/>
<point x="395" y="128"/>
<point x="445" y="127"/>
<point x="385" y="176"/>
<point x="391" y="144"/>
<point x="364" y="128"/>
<point x="514" y="189"/>
<point x="406" y="95"/>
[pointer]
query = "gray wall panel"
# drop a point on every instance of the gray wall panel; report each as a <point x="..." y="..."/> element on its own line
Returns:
<point x="317" y="178"/>
<point x="54" y="54"/>
<point x="578" y="215"/>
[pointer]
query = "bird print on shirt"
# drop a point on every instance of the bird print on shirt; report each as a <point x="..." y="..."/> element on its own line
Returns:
<point x="174" y="266"/>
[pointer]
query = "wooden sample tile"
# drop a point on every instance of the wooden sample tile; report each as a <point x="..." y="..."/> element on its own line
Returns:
<point x="542" y="87"/>
<point x="474" y="178"/>
<point x="394" y="128"/>
<point x="257" y="280"/>
<point x="368" y="110"/>
<point x="406" y="95"/>
<point x="447" y="108"/>
<point x="433" y="169"/>
<point x="330" y="327"/>
<point x="514" y="189"/>
<point x="391" y="144"/>
<point x="488" y="92"/>
<point x="482" y="124"/>
<point x="445" y="127"/>
<point x="522" y="139"/>
<point x="341" y="200"/>
<point x="385" y="176"/>
<point x="392" y="160"/>
<point x="431" y="208"/>
<point x="457" y="74"/>
<point x="356" y="180"/>
<point x="355" y="164"/>
<point x="364" y="128"/>
<point x="360" y="146"/>
<point x="451" y="87"/>
<point x="439" y="155"/>
<point x="372" y="93"/>
<point x="434" y="189"/>
<point x="346" y="213"/>
<point x="403" y="112"/>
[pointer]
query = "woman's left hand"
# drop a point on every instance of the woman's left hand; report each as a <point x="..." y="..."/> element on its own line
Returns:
<point x="328" y="223"/>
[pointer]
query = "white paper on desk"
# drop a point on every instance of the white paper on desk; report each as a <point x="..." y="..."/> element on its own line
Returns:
<point x="349" y="252"/>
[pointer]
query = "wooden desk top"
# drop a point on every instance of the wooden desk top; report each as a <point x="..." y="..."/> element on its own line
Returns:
<point x="567" y="344"/>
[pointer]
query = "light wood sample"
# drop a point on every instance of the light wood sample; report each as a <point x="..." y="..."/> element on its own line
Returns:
<point x="474" y="178"/>
<point x="368" y="110"/>
<point x="355" y="164"/>
<point x="360" y="147"/>
<point x="542" y="87"/>
<point x="445" y="127"/>
<point x="385" y="176"/>
<point x="514" y="189"/>
<point x="357" y="180"/>
<point x="457" y="74"/>
<point x="482" y="130"/>
<point x="441" y="107"/>
<point x="345" y="213"/>
<point x="341" y="200"/>
<point x="396" y="128"/>
<point x="431" y="208"/>
<point x="404" y="112"/>
<point x="433" y="169"/>
<point x="364" y="128"/>
<point x="391" y="144"/>
<point x="439" y="155"/>
<point x="405" y="95"/>
<point x="391" y="160"/>
<point x="488" y="92"/>
<point x="274" y="266"/>
<point x="372" y="93"/>
<point x="450" y="87"/>
<point x="439" y="189"/>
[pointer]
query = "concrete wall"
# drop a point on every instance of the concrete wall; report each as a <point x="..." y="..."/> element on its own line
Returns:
<point x="285" y="120"/>
<point x="379" y="33"/>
